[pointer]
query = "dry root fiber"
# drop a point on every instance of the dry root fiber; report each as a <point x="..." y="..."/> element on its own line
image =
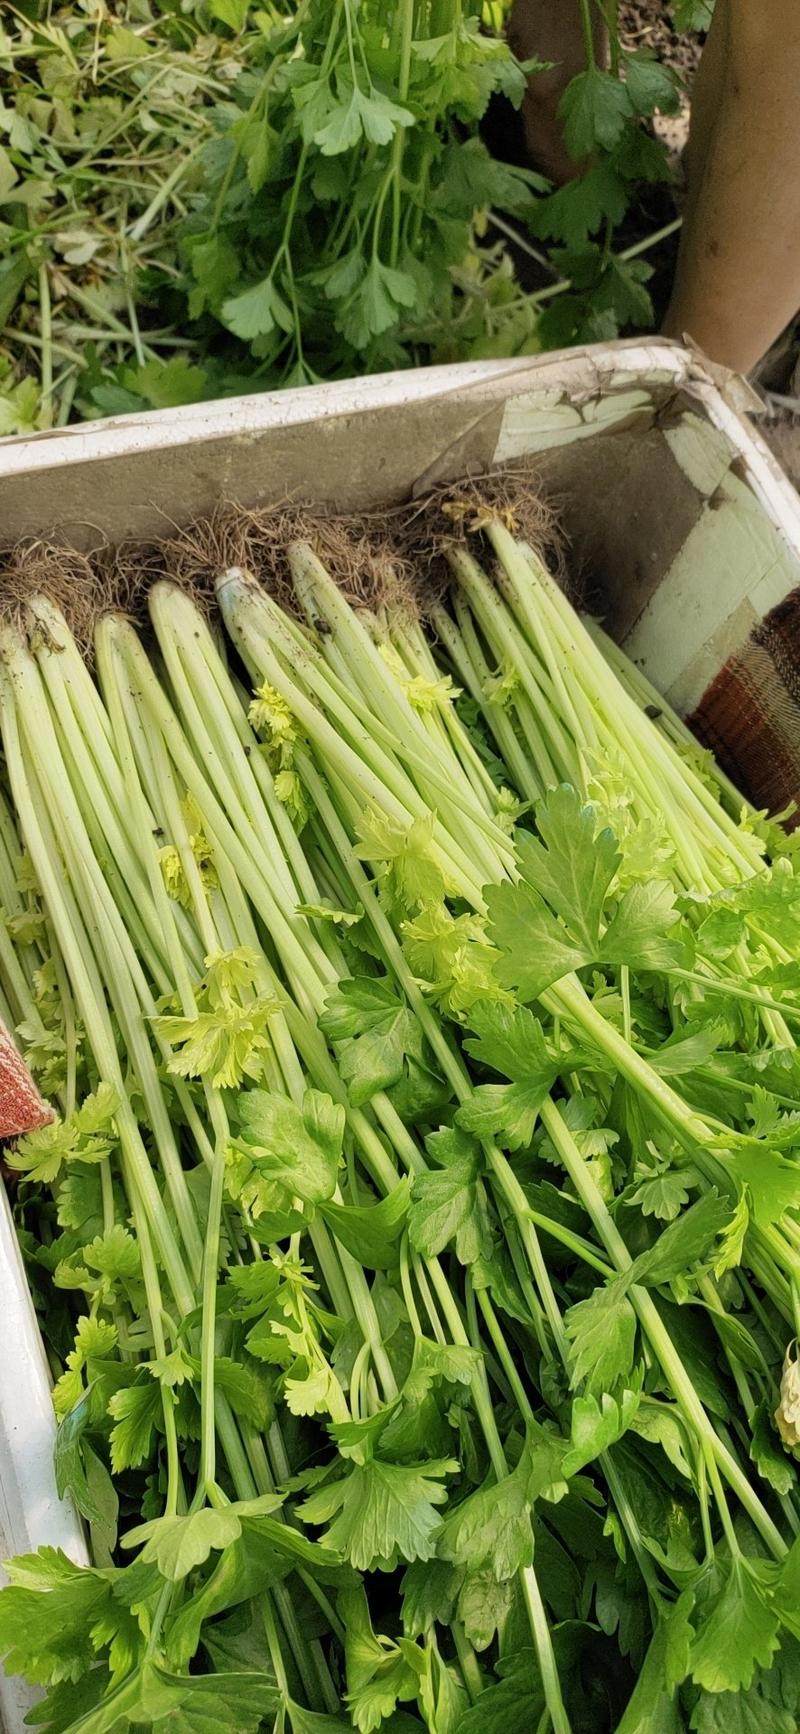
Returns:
<point x="390" y="560"/>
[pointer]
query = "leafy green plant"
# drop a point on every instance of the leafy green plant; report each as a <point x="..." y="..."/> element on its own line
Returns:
<point x="418" y="1237"/>
<point x="219" y="197"/>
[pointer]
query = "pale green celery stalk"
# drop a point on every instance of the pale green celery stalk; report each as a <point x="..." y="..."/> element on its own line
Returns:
<point x="310" y="989"/>
<point x="473" y="676"/>
<point x="502" y="632"/>
<point x="188" y="653"/>
<point x="482" y="838"/>
<point x="145" y="1200"/>
<point x="668" y="780"/>
<point x="531" y="1590"/>
<point x="518" y="703"/>
<point x="407" y="639"/>
<point x="87" y="984"/>
<point x="246" y="858"/>
<point x="208" y="911"/>
<point x="369" y="677"/>
<point x="17" y="985"/>
<point x="665" y="1098"/>
<point x="370" y="770"/>
<point x="216" y="1109"/>
<point x="667" y="721"/>
<point x="431" y="722"/>
<point x="503" y="1175"/>
<point x="236" y="700"/>
<point x="128" y="991"/>
<point x="68" y="678"/>
<point x="533" y="676"/>
<point x="216" y="1419"/>
<point x="699" y="831"/>
<point x="127" y="983"/>
<point x="28" y="957"/>
<point x="68" y="1012"/>
<point x="716" y="1452"/>
<point x="524" y="721"/>
<point x="126" y="883"/>
<point x="528" y="584"/>
<point x="181" y="973"/>
<point x="345" y="1278"/>
<point x="748" y="847"/>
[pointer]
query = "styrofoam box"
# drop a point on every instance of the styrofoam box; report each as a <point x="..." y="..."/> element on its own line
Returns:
<point x="674" y="510"/>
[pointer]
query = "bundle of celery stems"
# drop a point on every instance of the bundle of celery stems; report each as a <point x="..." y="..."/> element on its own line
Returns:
<point x="417" y="1241"/>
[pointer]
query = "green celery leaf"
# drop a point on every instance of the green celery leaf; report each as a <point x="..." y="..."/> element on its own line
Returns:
<point x="720" y="933"/>
<point x="535" y="949"/>
<point x="768" y="1454"/>
<point x="46" y="1617"/>
<point x="574" y="864"/>
<point x="580" y="208"/>
<point x="484" y="1606"/>
<point x="621" y="290"/>
<point x="602" y="1333"/>
<point x="246" y="1391"/>
<point x="661" y="1424"/>
<point x="684" y="1243"/>
<point x="382" y="1512"/>
<point x="264" y="1554"/>
<point x="63" y="1706"/>
<point x="512" y="1704"/>
<point x="773" y="1183"/>
<point x="298" y="1148"/>
<point x="641" y="932"/>
<point x="404" y="855"/>
<point x="594" y="108"/>
<point x="510" y="1040"/>
<point x="178" y="1544"/>
<point x="80" y="1473"/>
<point x="665" y="1195"/>
<point x="429" y="1590"/>
<point x="432" y="1363"/>
<point x="379" y="1032"/>
<point x="183" y="1704"/>
<point x="449" y="1202"/>
<point x="738" y="1631"/>
<point x="688" y="1048"/>
<point x="379" y="1672"/>
<point x="371" y="1232"/>
<point x="492" y="1528"/>
<point x="596" y="1424"/>
<point x="650" y="84"/>
<point x="135" y="1411"/>
<point x="256" y="311"/>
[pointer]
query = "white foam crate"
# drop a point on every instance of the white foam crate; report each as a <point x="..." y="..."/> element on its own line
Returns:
<point x="673" y="506"/>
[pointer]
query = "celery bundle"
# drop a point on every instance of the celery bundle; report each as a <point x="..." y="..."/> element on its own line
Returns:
<point x="417" y="1242"/>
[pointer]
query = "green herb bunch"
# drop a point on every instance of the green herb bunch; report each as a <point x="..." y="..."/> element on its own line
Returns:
<point x="217" y="197"/>
<point x="418" y="1242"/>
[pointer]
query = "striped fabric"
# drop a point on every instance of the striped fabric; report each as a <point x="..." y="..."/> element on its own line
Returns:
<point x="750" y="715"/>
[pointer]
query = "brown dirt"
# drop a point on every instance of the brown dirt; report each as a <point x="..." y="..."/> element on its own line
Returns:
<point x="645" y="24"/>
